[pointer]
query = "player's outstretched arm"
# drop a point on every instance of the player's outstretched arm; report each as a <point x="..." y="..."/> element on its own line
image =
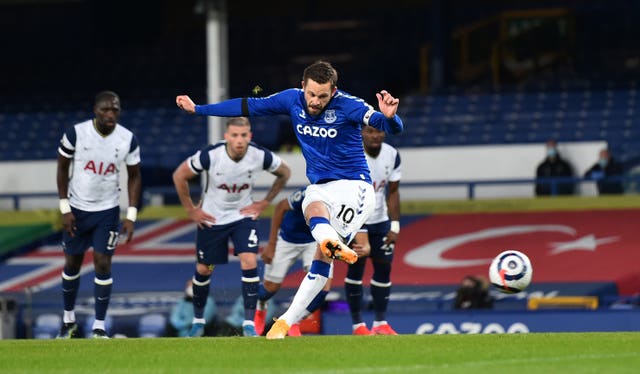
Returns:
<point x="385" y="118"/>
<point x="387" y="103"/>
<point x="227" y="108"/>
<point x="185" y="103"/>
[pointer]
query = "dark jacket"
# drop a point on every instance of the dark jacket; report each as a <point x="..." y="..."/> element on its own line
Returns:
<point x="550" y="168"/>
<point x="473" y="296"/>
<point x="605" y="184"/>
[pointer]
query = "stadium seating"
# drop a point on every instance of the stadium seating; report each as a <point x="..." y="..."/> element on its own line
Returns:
<point x="168" y="136"/>
<point x="524" y="117"/>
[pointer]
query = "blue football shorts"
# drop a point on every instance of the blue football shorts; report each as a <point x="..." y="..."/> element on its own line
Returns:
<point x="94" y="229"/>
<point x="212" y="243"/>
<point x="377" y="233"/>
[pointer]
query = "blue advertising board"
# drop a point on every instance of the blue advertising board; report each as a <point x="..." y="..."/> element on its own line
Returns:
<point x="475" y="322"/>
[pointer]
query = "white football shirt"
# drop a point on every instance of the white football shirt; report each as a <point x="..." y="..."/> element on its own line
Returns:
<point x="97" y="160"/>
<point x="229" y="183"/>
<point x="384" y="169"/>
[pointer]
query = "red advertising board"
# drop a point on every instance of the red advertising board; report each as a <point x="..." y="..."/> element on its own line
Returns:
<point x="573" y="246"/>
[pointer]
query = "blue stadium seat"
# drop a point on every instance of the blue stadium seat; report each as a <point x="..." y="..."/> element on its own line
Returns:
<point x="583" y="111"/>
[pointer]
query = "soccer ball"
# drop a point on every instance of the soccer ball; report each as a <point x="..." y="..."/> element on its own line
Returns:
<point x="510" y="271"/>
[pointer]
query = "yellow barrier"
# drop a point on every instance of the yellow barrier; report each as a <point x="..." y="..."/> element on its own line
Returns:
<point x="417" y="207"/>
<point x="562" y="302"/>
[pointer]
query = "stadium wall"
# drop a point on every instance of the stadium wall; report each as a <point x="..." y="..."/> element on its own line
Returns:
<point x="436" y="164"/>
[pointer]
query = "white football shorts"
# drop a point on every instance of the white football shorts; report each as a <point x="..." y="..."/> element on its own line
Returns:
<point x="350" y="203"/>
<point x="286" y="255"/>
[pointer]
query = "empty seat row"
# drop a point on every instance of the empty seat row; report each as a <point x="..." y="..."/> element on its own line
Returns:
<point x="167" y="135"/>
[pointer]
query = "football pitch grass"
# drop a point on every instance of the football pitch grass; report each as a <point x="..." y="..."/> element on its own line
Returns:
<point x="501" y="353"/>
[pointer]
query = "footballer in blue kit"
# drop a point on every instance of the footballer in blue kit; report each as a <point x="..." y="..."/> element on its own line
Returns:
<point x="327" y="140"/>
<point x="289" y="240"/>
<point x="327" y="123"/>
<point x="294" y="228"/>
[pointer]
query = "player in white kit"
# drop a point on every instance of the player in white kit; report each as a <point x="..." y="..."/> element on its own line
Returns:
<point x="227" y="212"/>
<point x="383" y="227"/>
<point x="96" y="151"/>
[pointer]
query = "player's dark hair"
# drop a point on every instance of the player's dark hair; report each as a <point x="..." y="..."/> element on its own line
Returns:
<point x="106" y="95"/>
<point x="321" y="72"/>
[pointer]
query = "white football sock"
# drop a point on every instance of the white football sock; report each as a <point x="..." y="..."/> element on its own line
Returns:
<point x="311" y="285"/>
<point x="354" y="327"/>
<point x="69" y="316"/>
<point x="324" y="231"/>
<point x="379" y="323"/>
<point x="98" y="324"/>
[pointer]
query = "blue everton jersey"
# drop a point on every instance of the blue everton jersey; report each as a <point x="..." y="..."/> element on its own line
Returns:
<point x="331" y="142"/>
<point x="294" y="228"/>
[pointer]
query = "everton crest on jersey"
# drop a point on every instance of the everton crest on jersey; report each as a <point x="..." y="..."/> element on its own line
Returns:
<point x="330" y="116"/>
<point x="328" y="139"/>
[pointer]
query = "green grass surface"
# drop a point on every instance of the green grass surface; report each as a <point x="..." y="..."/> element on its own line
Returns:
<point x="503" y="353"/>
